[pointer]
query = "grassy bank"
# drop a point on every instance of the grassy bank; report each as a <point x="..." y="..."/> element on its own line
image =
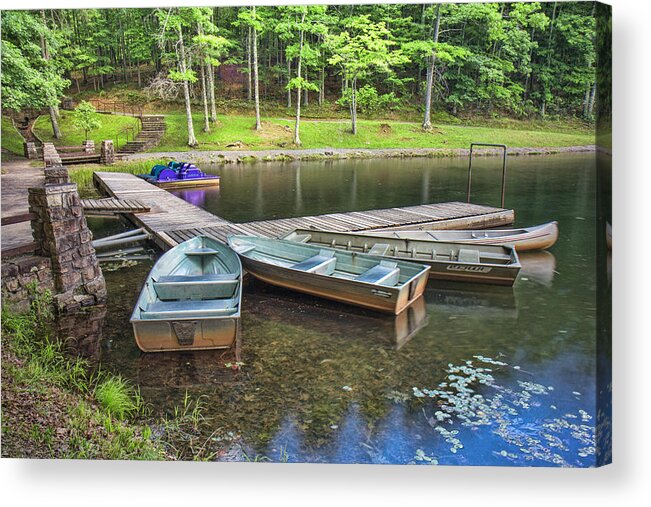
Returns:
<point x="55" y="406"/>
<point x="82" y="174"/>
<point x="278" y="133"/>
<point x="11" y="138"/>
<point x="111" y="124"/>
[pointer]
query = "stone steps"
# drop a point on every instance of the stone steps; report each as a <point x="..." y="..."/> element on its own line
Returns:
<point x="153" y="129"/>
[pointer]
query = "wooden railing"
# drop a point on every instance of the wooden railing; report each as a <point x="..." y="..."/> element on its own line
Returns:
<point x="24" y="248"/>
<point x="116" y="106"/>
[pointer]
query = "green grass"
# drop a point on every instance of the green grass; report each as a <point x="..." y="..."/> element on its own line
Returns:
<point x="71" y="413"/>
<point x="377" y="134"/>
<point x="72" y="136"/>
<point x="11" y="138"/>
<point x="82" y="174"/>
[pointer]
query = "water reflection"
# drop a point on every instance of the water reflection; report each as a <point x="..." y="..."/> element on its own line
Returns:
<point x="472" y="299"/>
<point x="277" y="304"/>
<point x="538" y="266"/>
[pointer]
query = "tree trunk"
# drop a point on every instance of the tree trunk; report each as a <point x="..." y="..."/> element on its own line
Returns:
<point x="192" y="140"/>
<point x="139" y="76"/>
<point x="353" y="105"/>
<point x="53" y="108"/>
<point x="55" y="123"/>
<point x="204" y="97"/>
<point x="256" y="91"/>
<point x="211" y="93"/>
<point x="289" y="78"/>
<point x="249" y="89"/>
<point x="427" y="120"/>
<point x="593" y="93"/>
<point x="321" y="85"/>
<point x="297" y="138"/>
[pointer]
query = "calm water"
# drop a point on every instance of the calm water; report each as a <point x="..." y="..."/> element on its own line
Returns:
<point x="474" y="376"/>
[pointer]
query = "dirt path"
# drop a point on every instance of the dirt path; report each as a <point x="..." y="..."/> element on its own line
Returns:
<point x="234" y="156"/>
<point x="17" y="177"/>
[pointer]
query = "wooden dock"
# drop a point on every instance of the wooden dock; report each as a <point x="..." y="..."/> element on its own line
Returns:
<point x="171" y="220"/>
<point x="111" y="205"/>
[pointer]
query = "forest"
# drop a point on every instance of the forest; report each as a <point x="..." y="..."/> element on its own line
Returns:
<point x="522" y="60"/>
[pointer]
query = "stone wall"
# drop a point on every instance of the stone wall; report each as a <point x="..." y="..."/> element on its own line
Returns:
<point x="22" y="276"/>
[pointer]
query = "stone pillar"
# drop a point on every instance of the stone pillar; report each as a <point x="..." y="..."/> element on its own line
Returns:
<point x="108" y="152"/>
<point x="89" y="146"/>
<point x="62" y="233"/>
<point x="57" y="175"/>
<point x="30" y="150"/>
<point x="50" y="155"/>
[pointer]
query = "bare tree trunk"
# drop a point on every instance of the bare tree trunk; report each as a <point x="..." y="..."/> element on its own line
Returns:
<point x="139" y="76"/>
<point x="258" y="124"/>
<point x="54" y="114"/>
<point x="321" y="85"/>
<point x="211" y="93"/>
<point x="289" y="78"/>
<point x="297" y="138"/>
<point x="593" y="93"/>
<point x="353" y="105"/>
<point x="192" y="140"/>
<point x="204" y="97"/>
<point x="427" y="120"/>
<point x="249" y="89"/>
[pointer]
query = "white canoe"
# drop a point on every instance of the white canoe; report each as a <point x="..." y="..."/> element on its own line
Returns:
<point x="538" y="237"/>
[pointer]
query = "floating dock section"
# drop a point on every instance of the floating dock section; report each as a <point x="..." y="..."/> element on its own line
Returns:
<point x="172" y="220"/>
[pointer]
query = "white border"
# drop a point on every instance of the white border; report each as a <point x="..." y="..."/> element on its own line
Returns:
<point x="624" y="483"/>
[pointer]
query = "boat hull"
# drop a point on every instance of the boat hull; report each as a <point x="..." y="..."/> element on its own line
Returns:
<point x="383" y="299"/>
<point x="203" y="182"/>
<point x="164" y="335"/>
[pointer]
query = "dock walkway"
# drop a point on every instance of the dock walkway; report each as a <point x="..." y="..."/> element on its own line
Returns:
<point x="172" y="220"/>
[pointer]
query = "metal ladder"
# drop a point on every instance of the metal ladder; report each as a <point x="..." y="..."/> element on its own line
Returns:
<point x="504" y="148"/>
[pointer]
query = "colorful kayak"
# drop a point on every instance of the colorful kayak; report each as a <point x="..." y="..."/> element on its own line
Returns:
<point x="364" y="280"/>
<point x="191" y="299"/>
<point x="457" y="262"/>
<point x="538" y="237"/>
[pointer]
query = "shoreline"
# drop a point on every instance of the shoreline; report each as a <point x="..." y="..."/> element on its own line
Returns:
<point x="251" y="156"/>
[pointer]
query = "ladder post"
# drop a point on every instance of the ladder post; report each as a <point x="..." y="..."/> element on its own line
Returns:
<point x="504" y="149"/>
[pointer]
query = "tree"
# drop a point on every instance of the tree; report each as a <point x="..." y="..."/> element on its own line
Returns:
<point x="364" y="46"/>
<point x="85" y="118"/>
<point x="251" y="18"/>
<point x="175" y="19"/>
<point x="301" y="20"/>
<point x="30" y="77"/>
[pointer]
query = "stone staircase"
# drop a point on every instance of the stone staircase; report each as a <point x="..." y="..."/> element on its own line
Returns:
<point x="153" y="128"/>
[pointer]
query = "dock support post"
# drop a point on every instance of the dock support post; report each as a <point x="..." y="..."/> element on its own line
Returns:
<point x="61" y="231"/>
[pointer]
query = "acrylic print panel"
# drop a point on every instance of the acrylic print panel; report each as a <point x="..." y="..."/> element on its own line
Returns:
<point x="354" y="119"/>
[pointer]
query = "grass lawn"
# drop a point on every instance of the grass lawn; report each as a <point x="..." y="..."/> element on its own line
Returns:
<point x="11" y="138"/>
<point x="72" y="136"/>
<point x="278" y="133"/>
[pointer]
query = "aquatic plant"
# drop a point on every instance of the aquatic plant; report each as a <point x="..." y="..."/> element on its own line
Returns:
<point x="471" y="397"/>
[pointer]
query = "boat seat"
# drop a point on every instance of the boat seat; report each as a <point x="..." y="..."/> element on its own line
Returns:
<point x="202" y="251"/>
<point x="196" y="287"/>
<point x="379" y="249"/>
<point x="471" y="256"/>
<point x="168" y="310"/>
<point x="385" y="273"/>
<point x="323" y="264"/>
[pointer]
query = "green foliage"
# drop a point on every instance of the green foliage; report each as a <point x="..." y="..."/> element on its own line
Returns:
<point x="117" y="397"/>
<point x="85" y="118"/>
<point x="369" y="101"/>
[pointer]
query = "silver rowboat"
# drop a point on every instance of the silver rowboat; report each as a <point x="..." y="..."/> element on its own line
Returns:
<point x="364" y="280"/>
<point x="191" y="299"/>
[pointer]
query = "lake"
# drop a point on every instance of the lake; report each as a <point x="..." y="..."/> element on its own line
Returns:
<point x="474" y="375"/>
